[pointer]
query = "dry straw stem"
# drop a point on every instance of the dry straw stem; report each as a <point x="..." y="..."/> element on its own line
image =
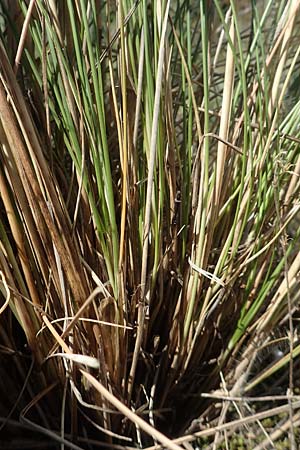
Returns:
<point x="23" y="35"/>
<point x="37" y="183"/>
<point x="123" y="141"/>
<point x="7" y="292"/>
<point x="277" y="434"/>
<point x="291" y="11"/>
<point x="98" y="290"/>
<point x="131" y="415"/>
<point x="232" y="425"/>
<point x="232" y="398"/>
<point x="225" y="116"/>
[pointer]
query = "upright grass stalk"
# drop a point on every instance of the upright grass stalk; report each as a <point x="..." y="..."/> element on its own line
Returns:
<point x="143" y="308"/>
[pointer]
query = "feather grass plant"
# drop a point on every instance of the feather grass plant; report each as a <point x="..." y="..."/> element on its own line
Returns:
<point x="149" y="218"/>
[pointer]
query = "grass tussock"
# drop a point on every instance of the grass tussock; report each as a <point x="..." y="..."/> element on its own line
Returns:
<point x="149" y="222"/>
